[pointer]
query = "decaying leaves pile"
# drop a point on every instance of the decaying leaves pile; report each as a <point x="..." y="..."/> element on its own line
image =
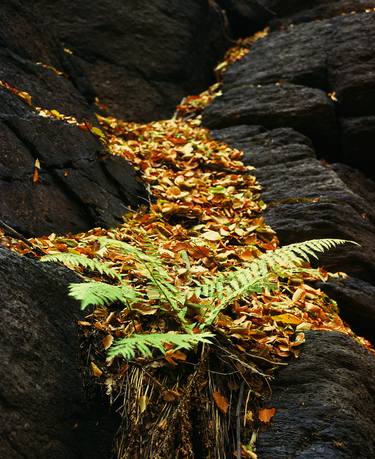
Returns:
<point x="205" y="217"/>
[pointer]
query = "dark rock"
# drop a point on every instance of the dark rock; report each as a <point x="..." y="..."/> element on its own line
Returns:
<point x="142" y="57"/>
<point x="325" y="403"/>
<point x="357" y="140"/>
<point x="79" y="186"/>
<point x="357" y="303"/>
<point x="245" y="17"/>
<point x="296" y="11"/>
<point x="306" y="199"/>
<point x="315" y="55"/>
<point x="45" y="412"/>
<point x="307" y="110"/>
<point x="356" y="181"/>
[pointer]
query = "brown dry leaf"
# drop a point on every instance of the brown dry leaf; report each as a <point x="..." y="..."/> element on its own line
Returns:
<point x="96" y="371"/>
<point x="298" y="294"/>
<point x="107" y="341"/>
<point x="36" y="174"/>
<point x="220" y="401"/>
<point x="171" y="395"/>
<point x="84" y="323"/>
<point x="266" y="414"/>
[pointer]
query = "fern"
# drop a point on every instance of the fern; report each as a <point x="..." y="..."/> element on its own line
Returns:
<point x="155" y="272"/>
<point x="225" y="288"/>
<point x="73" y="260"/>
<point x="128" y="347"/>
<point x="102" y="294"/>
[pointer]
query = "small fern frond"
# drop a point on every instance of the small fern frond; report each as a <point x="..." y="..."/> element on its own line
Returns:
<point x="72" y="260"/>
<point x="154" y="271"/>
<point x="295" y="254"/>
<point x="143" y="344"/>
<point x="102" y="294"/>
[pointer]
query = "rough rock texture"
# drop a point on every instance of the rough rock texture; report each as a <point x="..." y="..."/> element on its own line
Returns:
<point x="286" y="79"/>
<point x="142" y="57"/>
<point x="325" y="403"/>
<point x="80" y="187"/>
<point x="43" y="411"/>
<point x="296" y="11"/>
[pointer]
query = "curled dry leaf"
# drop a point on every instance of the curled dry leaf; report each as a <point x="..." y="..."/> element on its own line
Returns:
<point x="212" y="236"/>
<point x="266" y="414"/>
<point x="107" y="341"/>
<point x="96" y="371"/>
<point x="220" y="401"/>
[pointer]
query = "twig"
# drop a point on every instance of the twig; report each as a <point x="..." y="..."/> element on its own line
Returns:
<point x="238" y="420"/>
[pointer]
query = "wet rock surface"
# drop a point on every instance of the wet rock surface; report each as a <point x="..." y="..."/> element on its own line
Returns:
<point x="79" y="186"/>
<point x="45" y="412"/>
<point x="142" y="58"/>
<point x="325" y="404"/>
<point x="312" y="78"/>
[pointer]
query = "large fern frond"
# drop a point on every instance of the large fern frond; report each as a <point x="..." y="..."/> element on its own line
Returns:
<point x="227" y="287"/>
<point x="143" y="344"/>
<point x="74" y="259"/>
<point x="102" y="294"/>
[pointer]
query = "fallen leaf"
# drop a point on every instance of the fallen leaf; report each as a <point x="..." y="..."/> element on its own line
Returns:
<point x="96" y="371"/>
<point x="220" y="401"/>
<point x="107" y="341"/>
<point x="143" y="402"/>
<point x="171" y="395"/>
<point x="266" y="414"/>
<point x="287" y="319"/>
<point x="211" y="236"/>
<point x="36" y="174"/>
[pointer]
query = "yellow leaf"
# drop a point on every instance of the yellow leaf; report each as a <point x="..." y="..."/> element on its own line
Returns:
<point x="211" y="236"/>
<point x="97" y="131"/>
<point x="287" y="319"/>
<point x="96" y="371"/>
<point x="143" y="402"/>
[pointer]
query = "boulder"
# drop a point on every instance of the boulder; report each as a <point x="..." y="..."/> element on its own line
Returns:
<point x="297" y="11"/>
<point x="142" y="58"/>
<point x="45" y="412"/>
<point x="312" y="78"/>
<point x="78" y="186"/>
<point x="307" y="110"/>
<point x="325" y="404"/>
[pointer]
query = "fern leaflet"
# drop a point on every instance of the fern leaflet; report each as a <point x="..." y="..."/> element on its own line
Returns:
<point x="73" y="259"/>
<point x="102" y="294"/>
<point x="143" y="344"/>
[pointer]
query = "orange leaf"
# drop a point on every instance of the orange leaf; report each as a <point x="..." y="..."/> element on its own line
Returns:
<point x="266" y="414"/>
<point x="96" y="371"/>
<point x="287" y="319"/>
<point x="220" y="401"/>
<point x="107" y="341"/>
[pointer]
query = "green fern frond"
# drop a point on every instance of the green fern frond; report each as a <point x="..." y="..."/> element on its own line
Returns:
<point x="227" y="287"/>
<point x="72" y="260"/>
<point x="102" y="294"/>
<point x="154" y="271"/>
<point x="143" y="344"/>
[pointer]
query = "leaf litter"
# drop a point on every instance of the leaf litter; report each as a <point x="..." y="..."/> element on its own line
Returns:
<point x="205" y="217"/>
